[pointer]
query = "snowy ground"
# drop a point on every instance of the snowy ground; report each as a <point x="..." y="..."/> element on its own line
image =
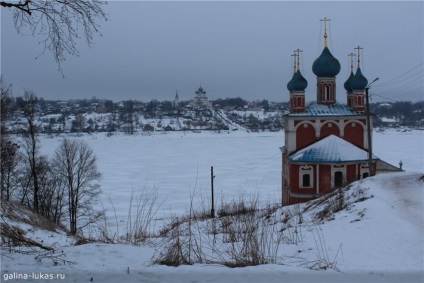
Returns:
<point x="377" y="240"/>
<point x="178" y="164"/>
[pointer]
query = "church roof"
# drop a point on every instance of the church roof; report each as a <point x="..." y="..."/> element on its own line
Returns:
<point x="331" y="149"/>
<point x="298" y="82"/>
<point x="326" y="65"/>
<point x="336" y="109"/>
<point x="347" y="85"/>
<point x="358" y="81"/>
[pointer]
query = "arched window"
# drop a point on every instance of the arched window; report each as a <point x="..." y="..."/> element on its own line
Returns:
<point x="306" y="174"/>
<point x="306" y="180"/>
<point x="327" y="93"/>
<point x="338" y="179"/>
<point x="364" y="171"/>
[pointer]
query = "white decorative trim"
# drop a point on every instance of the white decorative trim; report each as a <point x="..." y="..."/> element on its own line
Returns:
<point x="331" y="123"/>
<point x="364" y="168"/>
<point x="306" y="170"/>
<point x="337" y="168"/>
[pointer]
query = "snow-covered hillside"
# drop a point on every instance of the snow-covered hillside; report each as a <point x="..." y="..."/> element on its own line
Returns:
<point x="376" y="235"/>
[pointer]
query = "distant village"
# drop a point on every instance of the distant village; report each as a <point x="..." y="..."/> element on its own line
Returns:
<point x="197" y="114"/>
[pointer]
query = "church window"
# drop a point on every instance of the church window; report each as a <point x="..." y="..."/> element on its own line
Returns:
<point x="327" y="92"/>
<point x="306" y="180"/>
<point x="306" y="177"/>
<point x="338" y="179"/>
<point x="364" y="171"/>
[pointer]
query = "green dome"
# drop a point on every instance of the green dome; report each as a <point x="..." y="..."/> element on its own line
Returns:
<point x="289" y="84"/>
<point x="326" y="65"/>
<point x="299" y="82"/>
<point x="358" y="81"/>
<point x="347" y="86"/>
<point x="200" y="91"/>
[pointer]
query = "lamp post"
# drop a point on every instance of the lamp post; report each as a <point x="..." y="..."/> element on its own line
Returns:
<point x="369" y="127"/>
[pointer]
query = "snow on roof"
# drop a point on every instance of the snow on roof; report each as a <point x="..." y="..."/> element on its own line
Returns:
<point x="317" y="109"/>
<point x="330" y="149"/>
<point x="389" y="120"/>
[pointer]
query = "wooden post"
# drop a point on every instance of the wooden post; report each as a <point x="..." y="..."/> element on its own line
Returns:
<point x="212" y="209"/>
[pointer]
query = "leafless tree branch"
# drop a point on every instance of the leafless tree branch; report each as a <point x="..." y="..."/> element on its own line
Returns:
<point x="59" y="23"/>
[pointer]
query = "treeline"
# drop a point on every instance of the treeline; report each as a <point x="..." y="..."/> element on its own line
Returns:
<point x="61" y="188"/>
<point x="405" y="112"/>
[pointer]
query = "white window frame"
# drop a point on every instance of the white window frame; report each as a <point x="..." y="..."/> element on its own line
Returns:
<point x="364" y="168"/>
<point x="306" y="170"/>
<point x="338" y="168"/>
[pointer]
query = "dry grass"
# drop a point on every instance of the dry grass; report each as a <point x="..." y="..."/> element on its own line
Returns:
<point x="241" y="236"/>
<point x="19" y="213"/>
<point x="12" y="236"/>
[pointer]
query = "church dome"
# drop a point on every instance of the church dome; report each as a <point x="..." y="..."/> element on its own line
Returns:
<point x="358" y="81"/>
<point x="289" y="84"/>
<point x="326" y="65"/>
<point x="347" y="86"/>
<point x="200" y="91"/>
<point x="298" y="82"/>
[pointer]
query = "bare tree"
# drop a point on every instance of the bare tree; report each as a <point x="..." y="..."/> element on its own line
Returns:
<point x="9" y="149"/>
<point x="6" y="103"/>
<point x="75" y="162"/>
<point x="58" y="22"/>
<point x="128" y="116"/>
<point x="29" y="105"/>
<point x="10" y="159"/>
<point x="52" y="195"/>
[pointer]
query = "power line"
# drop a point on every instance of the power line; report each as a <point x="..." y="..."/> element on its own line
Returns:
<point x="410" y="84"/>
<point x="384" y="97"/>
<point x="396" y="82"/>
<point x="385" y="83"/>
<point x="403" y="94"/>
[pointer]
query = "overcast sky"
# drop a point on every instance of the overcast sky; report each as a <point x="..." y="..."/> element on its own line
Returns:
<point x="150" y="50"/>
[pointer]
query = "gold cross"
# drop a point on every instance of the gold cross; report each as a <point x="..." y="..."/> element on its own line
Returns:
<point x="351" y="55"/>
<point x="325" y="20"/>
<point x="294" y="55"/>
<point x="359" y="55"/>
<point x="298" y="56"/>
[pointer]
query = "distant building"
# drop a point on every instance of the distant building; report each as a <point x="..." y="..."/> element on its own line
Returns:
<point x="176" y="101"/>
<point x="390" y="122"/>
<point x="148" y="128"/>
<point x="326" y="143"/>
<point x="200" y="100"/>
<point x="62" y="104"/>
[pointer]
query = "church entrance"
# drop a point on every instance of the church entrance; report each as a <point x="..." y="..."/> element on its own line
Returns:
<point x="338" y="179"/>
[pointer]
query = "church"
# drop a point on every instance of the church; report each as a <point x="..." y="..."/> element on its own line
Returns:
<point x="326" y="142"/>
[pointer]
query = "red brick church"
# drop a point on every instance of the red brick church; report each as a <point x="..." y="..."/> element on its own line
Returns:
<point x="326" y="143"/>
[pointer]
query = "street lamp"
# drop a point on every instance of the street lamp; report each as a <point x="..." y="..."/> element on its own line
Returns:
<point x="369" y="127"/>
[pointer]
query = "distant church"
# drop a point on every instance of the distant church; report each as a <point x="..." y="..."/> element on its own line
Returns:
<point x="200" y="100"/>
<point x="326" y="143"/>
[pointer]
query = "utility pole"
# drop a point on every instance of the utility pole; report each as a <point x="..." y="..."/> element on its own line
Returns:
<point x="212" y="209"/>
<point x="369" y="127"/>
